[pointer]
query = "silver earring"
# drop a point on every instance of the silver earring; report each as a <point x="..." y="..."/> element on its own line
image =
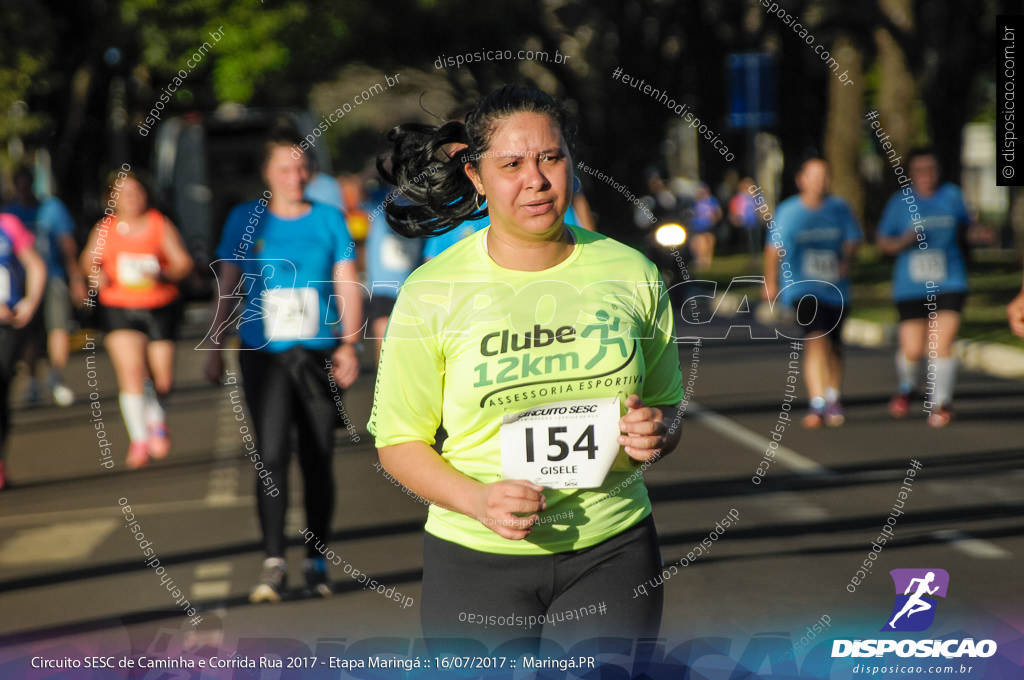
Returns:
<point x="575" y="184"/>
<point x="478" y="206"/>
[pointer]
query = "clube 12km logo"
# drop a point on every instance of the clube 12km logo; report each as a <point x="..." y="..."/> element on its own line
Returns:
<point x="917" y="593"/>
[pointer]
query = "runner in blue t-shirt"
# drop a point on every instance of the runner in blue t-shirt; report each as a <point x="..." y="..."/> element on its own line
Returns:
<point x="286" y="275"/>
<point x="812" y="242"/>
<point x="51" y="224"/>
<point x="744" y="217"/>
<point x="390" y="259"/>
<point x="924" y="226"/>
<point x="706" y="215"/>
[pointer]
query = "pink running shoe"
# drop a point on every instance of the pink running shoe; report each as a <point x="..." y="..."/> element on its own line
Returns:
<point x="940" y="417"/>
<point x="159" y="442"/>
<point x="138" y="455"/>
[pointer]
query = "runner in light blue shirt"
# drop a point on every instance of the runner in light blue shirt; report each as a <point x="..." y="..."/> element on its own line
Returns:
<point x="811" y="245"/>
<point x="287" y="280"/>
<point x="924" y="226"/>
<point x="390" y="259"/>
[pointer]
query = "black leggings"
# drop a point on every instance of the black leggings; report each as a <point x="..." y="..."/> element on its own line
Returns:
<point x="490" y="598"/>
<point x="10" y="348"/>
<point x="282" y="389"/>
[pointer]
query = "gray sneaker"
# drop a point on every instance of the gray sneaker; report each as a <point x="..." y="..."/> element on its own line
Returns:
<point x="63" y="395"/>
<point x="273" y="579"/>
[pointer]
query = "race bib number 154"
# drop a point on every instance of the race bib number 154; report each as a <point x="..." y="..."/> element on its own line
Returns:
<point x="563" y="445"/>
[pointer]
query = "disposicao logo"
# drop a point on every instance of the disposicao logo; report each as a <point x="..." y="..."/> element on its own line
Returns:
<point x="914" y="610"/>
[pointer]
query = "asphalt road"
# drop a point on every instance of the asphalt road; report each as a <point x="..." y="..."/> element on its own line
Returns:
<point x="72" y="576"/>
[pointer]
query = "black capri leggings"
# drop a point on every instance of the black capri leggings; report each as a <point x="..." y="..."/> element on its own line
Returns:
<point x="282" y="389"/>
<point x="495" y="598"/>
<point x="11" y="341"/>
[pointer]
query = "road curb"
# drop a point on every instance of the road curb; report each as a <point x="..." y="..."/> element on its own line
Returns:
<point x="993" y="358"/>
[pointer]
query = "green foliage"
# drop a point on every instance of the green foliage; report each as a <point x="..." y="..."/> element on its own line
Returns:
<point x="256" y="41"/>
<point x="25" y="59"/>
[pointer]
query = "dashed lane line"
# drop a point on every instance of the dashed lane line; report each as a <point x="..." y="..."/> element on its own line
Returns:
<point x="978" y="548"/>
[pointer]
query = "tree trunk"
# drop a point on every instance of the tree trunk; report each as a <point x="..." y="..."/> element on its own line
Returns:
<point x="897" y="89"/>
<point x="844" y="125"/>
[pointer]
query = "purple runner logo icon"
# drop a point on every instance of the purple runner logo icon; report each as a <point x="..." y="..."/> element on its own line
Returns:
<point x="916" y="590"/>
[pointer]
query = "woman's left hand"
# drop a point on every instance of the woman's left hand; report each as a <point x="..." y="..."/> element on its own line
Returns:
<point x="23" y="311"/>
<point x="648" y="431"/>
<point x="345" y="365"/>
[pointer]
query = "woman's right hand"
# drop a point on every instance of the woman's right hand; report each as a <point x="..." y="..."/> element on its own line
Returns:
<point x="213" y="367"/>
<point x="500" y="503"/>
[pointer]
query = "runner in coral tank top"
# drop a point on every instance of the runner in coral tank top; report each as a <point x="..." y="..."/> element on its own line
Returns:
<point x="132" y="263"/>
<point x="136" y="258"/>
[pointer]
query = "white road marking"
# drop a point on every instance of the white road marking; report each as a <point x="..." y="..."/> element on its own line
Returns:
<point x="210" y="590"/>
<point x="105" y="511"/>
<point x="784" y="456"/>
<point x="793" y="507"/>
<point x="212" y="570"/>
<point x="972" y="547"/>
<point x="211" y="581"/>
<point x="63" y="542"/>
<point x="980" y="490"/>
<point x="224" y="478"/>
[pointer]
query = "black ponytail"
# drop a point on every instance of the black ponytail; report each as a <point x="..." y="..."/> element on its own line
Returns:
<point x="439" y="194"/>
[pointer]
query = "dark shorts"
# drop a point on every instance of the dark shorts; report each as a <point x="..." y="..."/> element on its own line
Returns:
<point x="817" y="318"/>
<point x="158" y="324"/>
<point x="380" y="306"/>
<point x="460" y="584"/>
<point x="917" y="309"/>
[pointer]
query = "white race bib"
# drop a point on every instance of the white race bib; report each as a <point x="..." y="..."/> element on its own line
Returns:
<point x="562" y="445"/>
<point x="291" y="313"/>
<point x="927" y="266"/>
<point x="393" y="256"/>
<point x="5" y="285"/>
<point x="137" y="270"/>
<point x="821" y="265"/>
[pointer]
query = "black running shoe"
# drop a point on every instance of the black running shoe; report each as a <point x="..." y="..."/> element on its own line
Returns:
<point x="317" y="582"/>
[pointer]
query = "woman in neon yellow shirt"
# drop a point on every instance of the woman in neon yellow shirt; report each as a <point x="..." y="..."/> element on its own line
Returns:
<point x="546" y="352"/>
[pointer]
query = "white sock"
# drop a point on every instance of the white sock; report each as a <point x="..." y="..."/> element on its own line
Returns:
<point x="831" y="395"/>
<point x="906" y="372"/>
<point x="133" y="409"/>
<point x="945" y="379"/>
<point x="155" y="414"/>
